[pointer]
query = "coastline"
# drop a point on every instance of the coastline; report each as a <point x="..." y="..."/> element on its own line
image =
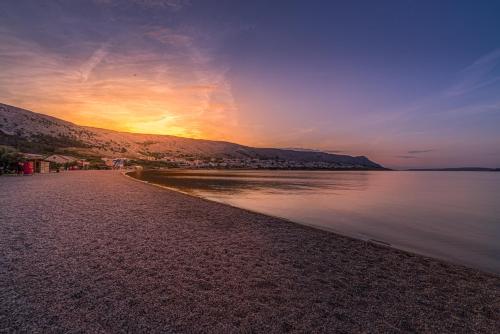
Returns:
<point x="364" y="238"/>
<point x="318" y="227"/>
<point x="240" y="208"/>
<point x="106" y="254"/>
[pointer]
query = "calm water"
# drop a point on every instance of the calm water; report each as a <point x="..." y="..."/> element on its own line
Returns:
<point x="449" y="215"/>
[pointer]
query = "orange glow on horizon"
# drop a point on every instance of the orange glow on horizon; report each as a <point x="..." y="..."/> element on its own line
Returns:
<point x="133" y="88"/>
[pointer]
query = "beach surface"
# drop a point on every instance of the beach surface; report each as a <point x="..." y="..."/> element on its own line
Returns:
<point x="98" y="252"/>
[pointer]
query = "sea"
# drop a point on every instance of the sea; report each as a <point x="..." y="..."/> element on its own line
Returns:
<point x="454" y="216"/>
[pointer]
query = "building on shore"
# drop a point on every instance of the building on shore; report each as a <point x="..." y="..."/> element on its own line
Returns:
<point x="68" y="162"/>
<point x="108" y="162"/>
<point x="119" y="163"/>
<point x="83" y="164"/>
<point x="115" y="163"/>
<point x="35" y="163"/>
<point x="61" y="159"/>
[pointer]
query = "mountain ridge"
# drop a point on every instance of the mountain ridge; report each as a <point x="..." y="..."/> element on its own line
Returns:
<point x="36" y="132"/>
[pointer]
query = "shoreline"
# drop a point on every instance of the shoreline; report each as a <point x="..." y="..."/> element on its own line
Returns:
<point x="94" y="252"/>
<point x="318" y="227"/>
<point x="240" y="208"/>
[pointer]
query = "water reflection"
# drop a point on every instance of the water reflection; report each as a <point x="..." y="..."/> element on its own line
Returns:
<point x="238" y="182"/>
<point x="450" y="215"/>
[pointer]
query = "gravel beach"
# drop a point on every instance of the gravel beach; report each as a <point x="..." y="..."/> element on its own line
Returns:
<point x="98" y="252"/>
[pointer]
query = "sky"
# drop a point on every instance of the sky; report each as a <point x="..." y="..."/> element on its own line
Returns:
<point x="410" y="84"/>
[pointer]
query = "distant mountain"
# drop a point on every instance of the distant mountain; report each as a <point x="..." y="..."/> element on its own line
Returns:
<point x="38" y="133"/>
<point x="456" y="169"/>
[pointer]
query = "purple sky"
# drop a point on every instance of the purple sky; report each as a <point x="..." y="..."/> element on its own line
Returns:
<point x="407" y="83"/>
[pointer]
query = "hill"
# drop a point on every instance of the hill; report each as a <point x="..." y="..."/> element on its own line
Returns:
<point x="38" y="133"/>
<point x="456" y="169"/>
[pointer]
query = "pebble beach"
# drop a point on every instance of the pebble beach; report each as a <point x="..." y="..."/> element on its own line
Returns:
<point x="99" y="252"/>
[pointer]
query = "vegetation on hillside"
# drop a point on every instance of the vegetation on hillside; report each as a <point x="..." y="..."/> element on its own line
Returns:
<point x="39" y="143"/>
<point x="35" y="133"/>
<point x="9" y="159"/>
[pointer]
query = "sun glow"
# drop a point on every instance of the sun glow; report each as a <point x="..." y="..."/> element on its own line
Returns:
<point x="164" y="125"/>
<point x="159" y="83"/>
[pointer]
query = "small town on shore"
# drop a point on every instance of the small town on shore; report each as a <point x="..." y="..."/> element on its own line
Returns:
<point x="18" y="163"/>
<point x="15" y="163"/>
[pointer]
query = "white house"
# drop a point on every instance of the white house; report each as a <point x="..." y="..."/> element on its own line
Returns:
<point x="61" y="159"/>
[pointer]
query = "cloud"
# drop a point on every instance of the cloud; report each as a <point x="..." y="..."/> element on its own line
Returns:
<point x="474" y="109"/>
<point x="94" y="60"/>
<point x="143" y="85"/>
<point x="169" y="36"/>
<point x="171" y="4"/>
<point x="28" y="71"/>
<point x="413" y="154"/>
<point x="335" y="151"/>
<point x="458" y="98"/>
<point x="153" y="4"/>
<point x="312" y="150"/>
<point x="419" y="151"/>
<point x="479" y="74"/>
<point x="406" y="157"/>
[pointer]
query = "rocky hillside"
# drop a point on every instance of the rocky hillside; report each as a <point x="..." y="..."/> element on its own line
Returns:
<point x="37" y="133"/>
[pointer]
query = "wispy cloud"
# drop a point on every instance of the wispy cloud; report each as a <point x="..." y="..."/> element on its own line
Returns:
<point x="170" y="37"/>
<point x="313" y="150"/>
<point x="406" y="157"/>
<point x="155" y="4"/>
<point x="473" y="109"/>
<point x="477" y="75"/>
<point x="94" y="60"/>
<point x="166" y="84"/>
<point x="172" y="4"/>
<point x="482" y="73"/>
<point x="414" y="154"/>
<point x="335" y="151"/>
<point x="419" y="151"/>
<point x="439" y="119"/>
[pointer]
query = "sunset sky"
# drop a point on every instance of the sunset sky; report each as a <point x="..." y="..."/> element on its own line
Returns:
<point x="406" y="83"/>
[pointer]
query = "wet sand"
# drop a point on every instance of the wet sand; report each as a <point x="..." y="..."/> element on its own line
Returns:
<point x="98" y="252"/>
